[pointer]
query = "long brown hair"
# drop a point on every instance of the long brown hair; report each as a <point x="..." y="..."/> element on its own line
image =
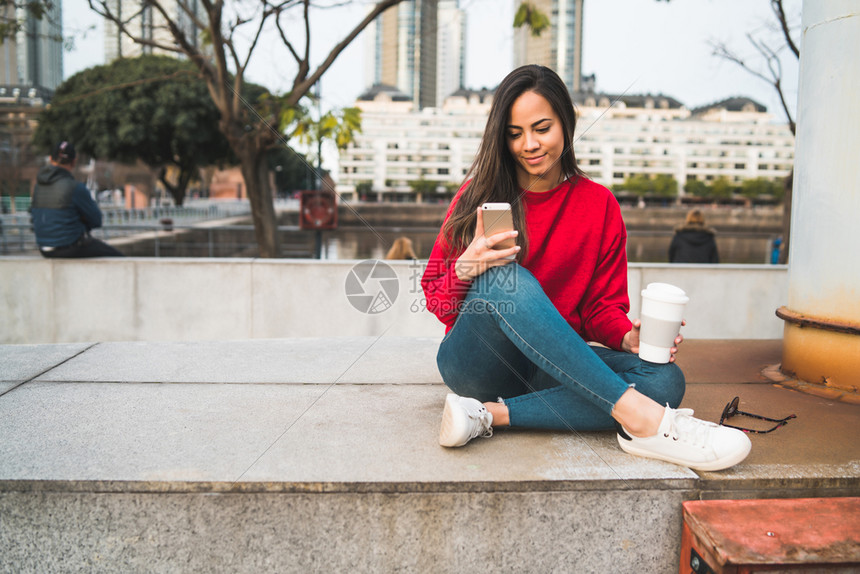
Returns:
<point x="493" y="173"/>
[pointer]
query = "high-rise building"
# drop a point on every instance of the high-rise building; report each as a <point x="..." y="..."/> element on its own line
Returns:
<point x="8" y="52"/>
<point x="143" y="21"/>
<point x="450" y="49"/>
<point x="34" y="57"/>
<point x="402" y="50"/>
<point x="560" y="47"/>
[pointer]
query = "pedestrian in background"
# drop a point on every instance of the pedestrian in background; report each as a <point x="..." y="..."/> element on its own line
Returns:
<point x="693" y="242"/>
<point x="775" y="250"/>
<point x="402" y="249"/>
<point x="63" y="211"/>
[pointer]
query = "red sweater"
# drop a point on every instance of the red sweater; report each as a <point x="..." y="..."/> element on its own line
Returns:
<point x="577" y="251"/>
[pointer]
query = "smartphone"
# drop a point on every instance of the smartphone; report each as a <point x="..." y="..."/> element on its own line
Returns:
<point x="498" y="218"/>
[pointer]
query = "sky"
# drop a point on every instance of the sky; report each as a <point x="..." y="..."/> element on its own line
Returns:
<point x="632" y="46"/>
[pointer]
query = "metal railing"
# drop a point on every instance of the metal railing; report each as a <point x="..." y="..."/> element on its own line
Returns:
<point x="22" y="204"/>
<point x="194" y="210"/>
<point x="16" y="234"/>
<point x="16" y="230"/>
<point x="166" y="240"/>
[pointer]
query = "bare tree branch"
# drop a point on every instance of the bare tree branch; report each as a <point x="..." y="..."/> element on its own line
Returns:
<point x="192" y="15"/>
<point x="256" y="39"/>
<point x="300" y="61"/>
<point x="333" y="5"/>
<point x="307" y="41"/>
<point x="286" y="41"/>
<point x="174" y="76"/>
<point x="185" y="46"/>
<point x="301" y="87"/>
<point x="773" y="63"/>
<point x="230" y="100"/>
<point x="231" y="46"/>
<point x="221" y="75"/>
<point x="100" y="7"/>
<point x="770" y="59"/>
<point x="779" y="11"/>
<point x="174" y="29"/>
<point x="723" y="51"/>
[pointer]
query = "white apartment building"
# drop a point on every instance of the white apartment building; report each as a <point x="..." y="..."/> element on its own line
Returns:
<point x="616" y="137"/>
<point x="735" y="138"/>
<point x="398" y="145"/>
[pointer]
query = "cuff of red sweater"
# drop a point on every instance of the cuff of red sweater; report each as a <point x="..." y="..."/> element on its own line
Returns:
<point x="615" y="332"/>
<point x="455" y="282"/>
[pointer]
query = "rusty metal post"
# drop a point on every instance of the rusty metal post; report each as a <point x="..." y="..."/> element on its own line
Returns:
<point x="821" y="342"/>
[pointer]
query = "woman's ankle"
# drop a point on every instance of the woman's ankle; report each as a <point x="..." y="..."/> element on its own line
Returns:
<point x="638" y="414"/>
<point x="501" y="414"/>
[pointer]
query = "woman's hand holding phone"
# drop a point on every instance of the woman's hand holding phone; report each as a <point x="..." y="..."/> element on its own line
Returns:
<point x="480" y="255"/>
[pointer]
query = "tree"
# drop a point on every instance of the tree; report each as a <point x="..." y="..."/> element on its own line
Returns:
<point x="339" y="125"/>
<point x="722" y="188"/>
<point x="638" y="184"/>
<point x="363" y="189"/>
<point x="665" y="185"/>
<point x="152" y="108"/>
<point x="423" y="186"/>
<point x="760" y="187"/>
<point x="231" y="33"/>
<point x="292" y="170"/>
<point x="696" y="188"/>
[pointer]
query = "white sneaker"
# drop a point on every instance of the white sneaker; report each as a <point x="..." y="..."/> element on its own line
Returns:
<point x="464" y="419"/>
<point x="690" y="442"/>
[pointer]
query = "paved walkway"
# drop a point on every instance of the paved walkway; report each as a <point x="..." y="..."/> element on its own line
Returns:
<point x="360" y="415"/>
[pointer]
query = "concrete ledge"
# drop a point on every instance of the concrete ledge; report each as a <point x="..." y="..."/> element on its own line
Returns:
<point x="320" y="454"/>
<point x="55" y="301"/>
<point x="312" y="413"/>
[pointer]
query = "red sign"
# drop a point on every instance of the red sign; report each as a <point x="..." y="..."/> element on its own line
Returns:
<point x="318" y="210"/>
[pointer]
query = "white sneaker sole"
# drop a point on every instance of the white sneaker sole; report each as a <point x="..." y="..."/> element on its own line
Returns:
<point x="452" y="423"/>
<point x="711" y="465"/>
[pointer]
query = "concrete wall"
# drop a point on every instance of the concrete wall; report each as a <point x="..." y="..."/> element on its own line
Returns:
<point x="440" y="532"/>
<point x="54" y="301"/>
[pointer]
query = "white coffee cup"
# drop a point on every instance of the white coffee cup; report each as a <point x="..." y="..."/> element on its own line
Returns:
<point x="662" y="313"/>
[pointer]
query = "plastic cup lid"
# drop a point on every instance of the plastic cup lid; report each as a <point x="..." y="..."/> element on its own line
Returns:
<point x="665" y="293"/>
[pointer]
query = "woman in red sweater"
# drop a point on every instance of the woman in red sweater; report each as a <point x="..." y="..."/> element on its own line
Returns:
<point x="544" y="341"/>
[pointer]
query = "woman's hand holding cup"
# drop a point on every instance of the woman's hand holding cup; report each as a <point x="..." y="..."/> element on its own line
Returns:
<point x="630" y="342"/>
<point x="480" y="255"/>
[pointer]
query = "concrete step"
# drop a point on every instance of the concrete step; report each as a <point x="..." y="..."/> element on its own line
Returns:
<point x="301" y="455"/>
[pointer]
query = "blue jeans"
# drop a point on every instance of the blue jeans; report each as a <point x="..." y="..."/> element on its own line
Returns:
<point x="510" y="341"/>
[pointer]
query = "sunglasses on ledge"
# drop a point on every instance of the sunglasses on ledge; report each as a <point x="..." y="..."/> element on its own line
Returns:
<point x="732" y="410"/>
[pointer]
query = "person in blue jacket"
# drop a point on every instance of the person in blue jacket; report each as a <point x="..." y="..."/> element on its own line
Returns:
<point x="63" y="211"/>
